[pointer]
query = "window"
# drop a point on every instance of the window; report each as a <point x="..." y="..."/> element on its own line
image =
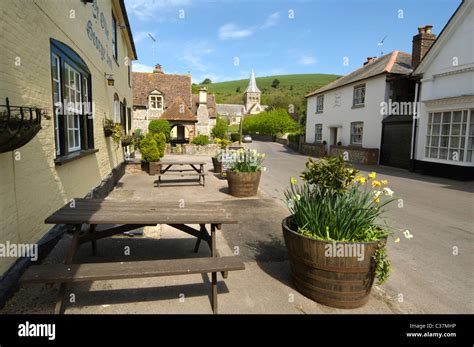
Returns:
<point x="116" y="109"/>
<point x="156" y="102"/>
<point x="71" y="87"/>
<point x="359" y="95"/>
<point x="357" y="129"/>
<point x="114" y="37"/>
<point x="320" y="104"/>
<point x="318" y="133"/>
<point x="450" y="136"/>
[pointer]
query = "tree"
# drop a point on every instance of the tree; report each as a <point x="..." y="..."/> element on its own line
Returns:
<point x="220" y="129"/>
<point x="160" y="126"/>
<point x="275" y="83"/>
<point x="237" y="90"/>
<point x="272" y="122"/>
<point x="206" y="81"/>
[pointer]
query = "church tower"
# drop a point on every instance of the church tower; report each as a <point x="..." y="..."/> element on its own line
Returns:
<point x="252" y="96"/>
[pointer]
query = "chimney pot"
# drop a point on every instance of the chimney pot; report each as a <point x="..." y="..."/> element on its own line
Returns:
<point x="422" y="42"/>
<point x="157" y="69"/>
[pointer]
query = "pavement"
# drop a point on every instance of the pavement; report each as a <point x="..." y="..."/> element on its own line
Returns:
<point x="420" y="266"/>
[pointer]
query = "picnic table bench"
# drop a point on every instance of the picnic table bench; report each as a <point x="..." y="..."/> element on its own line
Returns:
<point x="83" y="215"/>
<point x="196" y="168"/>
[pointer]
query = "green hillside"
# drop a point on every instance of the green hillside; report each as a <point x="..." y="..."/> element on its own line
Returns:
<point x="291" y="86"/>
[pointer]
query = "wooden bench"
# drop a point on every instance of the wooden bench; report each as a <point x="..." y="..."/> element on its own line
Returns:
<point x="82" y="216"/>
<point x="63" y="273"/>
<point x="196" y="169"/>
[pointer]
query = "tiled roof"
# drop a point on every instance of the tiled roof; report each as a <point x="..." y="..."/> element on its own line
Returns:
<point x="171" y="86"/>
<point x="211" y="104"/>
<point x="178" y="111"/>
<point x="395" y="62"/>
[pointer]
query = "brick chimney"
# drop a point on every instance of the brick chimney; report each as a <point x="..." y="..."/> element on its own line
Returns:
<point x="370" y="60"/>
<point x="203" y="96"/>
<point x="421" y="44"/>
<point x="157" y="69"/>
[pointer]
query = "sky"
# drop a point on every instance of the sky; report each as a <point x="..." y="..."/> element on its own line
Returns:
<point x="224" y="39"/>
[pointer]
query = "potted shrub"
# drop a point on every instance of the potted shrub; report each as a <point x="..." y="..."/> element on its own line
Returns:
<point x="244" y="174"/>
<point x="335" y="240"/>
<point x="108" y="127"/>
<point x="126" y="140"/>
<point x="216" y="159"/>
<point x="152" y="148"/>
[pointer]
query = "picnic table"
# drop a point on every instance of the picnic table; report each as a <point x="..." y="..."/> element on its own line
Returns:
<point x="196" y="168"/>
<point x="82" y="216"/>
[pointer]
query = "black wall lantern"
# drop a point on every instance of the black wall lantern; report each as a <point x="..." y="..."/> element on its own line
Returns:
<point x="110" y="79"/>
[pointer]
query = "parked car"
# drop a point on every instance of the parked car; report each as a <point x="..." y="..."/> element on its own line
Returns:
<point x="247" y="139"/>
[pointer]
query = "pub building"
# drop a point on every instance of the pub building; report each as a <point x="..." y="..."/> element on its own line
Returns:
<point x="65" y="68"/>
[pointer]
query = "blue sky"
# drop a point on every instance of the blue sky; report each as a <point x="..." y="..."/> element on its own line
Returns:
<point x="208" y="37"/>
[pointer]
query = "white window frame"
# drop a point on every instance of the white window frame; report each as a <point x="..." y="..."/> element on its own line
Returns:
<point x="358" y="97"/>
<point x="354" y="134"/>
<point x="116" y="109"/>
<point x="320" y="104"/>
<point x="155" y="99"/>
<point x="74" y="98"/>
<point x="441" y="136"/>
<point x="318" y="133"/>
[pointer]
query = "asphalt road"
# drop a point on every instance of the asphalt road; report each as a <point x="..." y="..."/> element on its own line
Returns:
<point x="433" y="271"/>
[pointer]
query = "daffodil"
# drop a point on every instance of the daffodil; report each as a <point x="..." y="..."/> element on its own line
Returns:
<point x="407" y="234"/>
<point x="293" y="181"/>
<point x="387" y="191"/>
<point x="297" y="197"/>
<point x="397" y="240"/>
<point x="372" y="175"/>
<point x="376" y="184"/>
<point x="360" y="179"/>
<point x="384" y="182"/>
<point x="376" y="200"/>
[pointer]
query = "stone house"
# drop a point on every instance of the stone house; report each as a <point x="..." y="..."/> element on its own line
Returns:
<point x="76" y="71"/>
<point x="168" y="96"/>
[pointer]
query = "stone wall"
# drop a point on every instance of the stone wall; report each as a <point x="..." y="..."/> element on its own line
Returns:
<point x="369" y="156"/>
<point x="191" y="149"/>
<point x="313" y="150"/>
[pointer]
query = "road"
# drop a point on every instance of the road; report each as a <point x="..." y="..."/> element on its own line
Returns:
<point x="433" y="271"/>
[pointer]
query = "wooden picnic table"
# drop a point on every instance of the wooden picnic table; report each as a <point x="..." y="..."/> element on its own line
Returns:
<point x="83" y="215"/>
<point x="196" y="169"/>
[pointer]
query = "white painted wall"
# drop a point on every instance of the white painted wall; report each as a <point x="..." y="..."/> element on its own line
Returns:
<point x="342" y="116"/>
<point x="459" y="81"/>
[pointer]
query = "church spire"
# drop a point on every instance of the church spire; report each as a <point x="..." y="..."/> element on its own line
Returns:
<point x="252" y="88"/>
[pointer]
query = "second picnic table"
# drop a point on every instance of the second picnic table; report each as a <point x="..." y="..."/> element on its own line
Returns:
<point x="196" y="168"/>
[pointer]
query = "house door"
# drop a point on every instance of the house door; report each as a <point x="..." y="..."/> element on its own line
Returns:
<point x="333" y="138"/>
<point x="180" y="133"/>
<point x="396" y="141"/>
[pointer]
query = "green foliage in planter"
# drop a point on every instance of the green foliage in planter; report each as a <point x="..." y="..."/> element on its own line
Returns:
<point x="271" y="122"/>
<point x="330" y="173"/>
<point x="201" y="140"/>
<point x="246" y="160"/>
<point x="220" y="129"/>
<point x="160" y="126"/>
<point x="235" y="137"/>
<point x="152" y="147"/>
<point x="117" y="133"/>
<point x="223" y="143"/>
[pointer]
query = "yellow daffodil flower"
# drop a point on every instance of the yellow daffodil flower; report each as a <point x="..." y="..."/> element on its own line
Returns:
<point x="372" y="175"/>
<point x="384" y="182"/>
<point x="293" y="181"/>
<point x="360" y="179"/>
<point x="397" y="240"/>
<point x="376" y="184"/>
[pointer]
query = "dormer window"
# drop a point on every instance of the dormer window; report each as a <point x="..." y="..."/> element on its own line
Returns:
<point x="155" y="101"/>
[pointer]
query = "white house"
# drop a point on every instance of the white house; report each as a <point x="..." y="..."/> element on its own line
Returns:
<point x="344" y="117"/>
<point x="444" y="128"/>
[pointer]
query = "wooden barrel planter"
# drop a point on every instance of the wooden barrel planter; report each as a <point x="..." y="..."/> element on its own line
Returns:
<point x="336" y="281"/>
<point x="217" y="165"/>
<point x="243" y="184"/>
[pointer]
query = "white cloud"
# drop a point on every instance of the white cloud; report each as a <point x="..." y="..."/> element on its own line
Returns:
<point x="230" y="31"/>
<point x="137" y="67"/>
<point x="194" y="54"/>
<point x="271" y="20"/>
<point x="307" y="60"/>
<point x="159" y="10"/>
